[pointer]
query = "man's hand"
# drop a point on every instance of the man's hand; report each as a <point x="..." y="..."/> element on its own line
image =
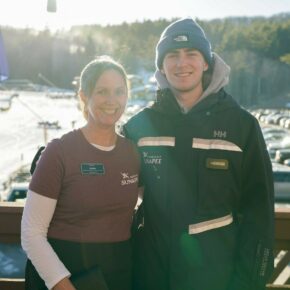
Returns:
<point x="64" y="284"/>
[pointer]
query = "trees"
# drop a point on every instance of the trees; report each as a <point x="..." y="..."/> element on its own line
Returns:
<point x="257" y="49"/>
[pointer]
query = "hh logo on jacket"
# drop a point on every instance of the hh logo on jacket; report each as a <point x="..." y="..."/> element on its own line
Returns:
<point x="219" y="134"/>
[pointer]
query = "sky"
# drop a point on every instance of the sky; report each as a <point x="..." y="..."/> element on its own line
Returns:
<point x="33" y="14"/>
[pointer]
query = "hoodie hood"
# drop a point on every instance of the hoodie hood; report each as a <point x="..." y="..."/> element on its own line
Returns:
<point x="220" y="77"/>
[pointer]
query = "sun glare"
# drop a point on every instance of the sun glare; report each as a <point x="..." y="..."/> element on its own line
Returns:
<point x="33" y="13"/>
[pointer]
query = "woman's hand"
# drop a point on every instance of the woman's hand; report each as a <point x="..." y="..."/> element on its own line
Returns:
<point x="64" y="284"/>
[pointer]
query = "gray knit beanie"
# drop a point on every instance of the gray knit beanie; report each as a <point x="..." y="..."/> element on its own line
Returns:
<point x="183" y="33"/>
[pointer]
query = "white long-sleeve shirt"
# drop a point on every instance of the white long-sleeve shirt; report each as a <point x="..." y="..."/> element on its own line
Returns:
<point x="37" y="214"/>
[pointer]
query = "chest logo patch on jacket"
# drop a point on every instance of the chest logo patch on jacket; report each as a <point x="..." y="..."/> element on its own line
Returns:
<point x="151" y="159"/>
<point x="217" y="163"/>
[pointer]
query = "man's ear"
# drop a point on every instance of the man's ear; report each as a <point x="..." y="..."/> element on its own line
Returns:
<point x="205" y="66"/>
<point x="162" y="71"/>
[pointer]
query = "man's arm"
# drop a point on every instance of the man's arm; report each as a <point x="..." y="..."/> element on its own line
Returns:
<point x="254" y="259"/>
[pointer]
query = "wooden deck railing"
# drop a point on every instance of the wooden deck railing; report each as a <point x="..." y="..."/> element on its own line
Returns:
<point x="10" y="217"/>
<point x="281" y="276"/>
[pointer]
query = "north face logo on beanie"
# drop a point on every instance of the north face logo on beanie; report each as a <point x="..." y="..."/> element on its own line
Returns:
<point x="181" y="38"/>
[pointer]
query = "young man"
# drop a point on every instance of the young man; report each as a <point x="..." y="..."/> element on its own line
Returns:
<point x="208" y="200"/>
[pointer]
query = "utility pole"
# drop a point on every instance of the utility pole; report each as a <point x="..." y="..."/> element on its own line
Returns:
<point x="39" y="118"/>
<point x="41" y="76"/>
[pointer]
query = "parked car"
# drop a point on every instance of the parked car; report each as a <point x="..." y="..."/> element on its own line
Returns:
<point x="17" y="191"/>
<point x="274" y="136"/>
<point x="287" y="123"/>
<point x="281" y="175"/>
<point x="272" y="147"/>
<point x="267" y="130"/>
<point x="282" y="155"/>
<point x="287" y="162"/>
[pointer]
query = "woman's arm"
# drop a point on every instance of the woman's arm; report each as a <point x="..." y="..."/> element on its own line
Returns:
<point x="37" y="214"/>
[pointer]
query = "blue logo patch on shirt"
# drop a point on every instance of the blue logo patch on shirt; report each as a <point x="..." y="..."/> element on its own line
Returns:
<point x="92" y="169"/>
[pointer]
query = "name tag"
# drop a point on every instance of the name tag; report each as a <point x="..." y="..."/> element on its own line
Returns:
<point x="217" y="163"/>
<point x="92" y="169"/>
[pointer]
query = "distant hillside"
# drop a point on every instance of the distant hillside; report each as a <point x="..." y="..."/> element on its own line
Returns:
<point x="256" y="48"/>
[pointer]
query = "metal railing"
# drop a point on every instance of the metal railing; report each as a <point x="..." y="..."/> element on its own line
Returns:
<point x="10" y="218"/>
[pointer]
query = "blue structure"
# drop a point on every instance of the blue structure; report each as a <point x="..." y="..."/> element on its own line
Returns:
<point x="4" y="72"/>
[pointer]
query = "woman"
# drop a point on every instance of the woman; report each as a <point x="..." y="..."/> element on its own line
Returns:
<point x="81" y="198"/>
